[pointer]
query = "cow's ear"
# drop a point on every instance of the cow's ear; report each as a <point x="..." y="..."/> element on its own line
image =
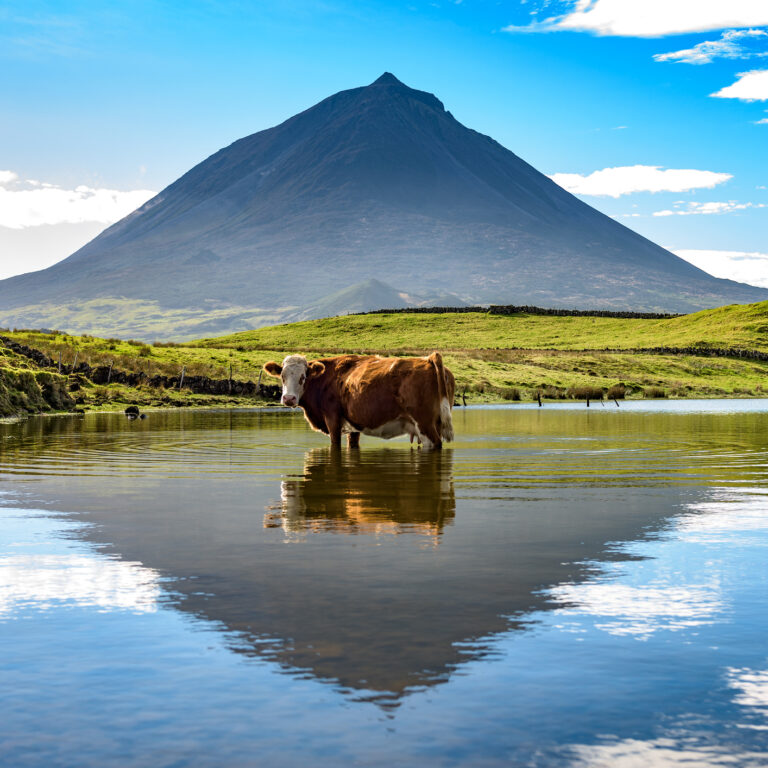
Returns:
<point x="273" y="369"/>
<point x="315" y="368"/>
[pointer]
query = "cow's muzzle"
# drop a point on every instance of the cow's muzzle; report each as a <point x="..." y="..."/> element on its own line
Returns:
<point x="289" y="400"/>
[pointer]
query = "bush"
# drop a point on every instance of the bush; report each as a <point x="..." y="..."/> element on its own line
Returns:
<point x="655" y="392"/>
<point x="145" y="350"/>
<point x="616" y="392"/>
<point x="585" y="393"/>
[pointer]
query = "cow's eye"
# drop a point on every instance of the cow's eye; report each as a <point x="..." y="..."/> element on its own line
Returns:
<point x="301" y="380"/>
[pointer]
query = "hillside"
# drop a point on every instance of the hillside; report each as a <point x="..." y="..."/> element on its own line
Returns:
<point x="744" y="326"/>
<point x="494" y="357"/>
<point x="28" y="388"/>
<point x="378" y="183"/>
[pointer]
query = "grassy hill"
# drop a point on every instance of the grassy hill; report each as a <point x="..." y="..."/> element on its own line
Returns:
<point x="494" y="357"/>
<point x="737" y="325"/>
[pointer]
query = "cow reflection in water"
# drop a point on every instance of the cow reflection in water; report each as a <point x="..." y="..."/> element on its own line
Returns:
<point x="377" y="492"/>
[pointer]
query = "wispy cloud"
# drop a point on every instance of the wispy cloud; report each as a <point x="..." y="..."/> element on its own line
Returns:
<point x="43" y="34"/>
<point x="745" y="266"/>
<point x="750" y="86"/>
<point x="696" y="209"/>
<point x="33" y="203"/>
<point x="653" y="18"/>
<point x="624" y="180"/>
<point x="733" y="44"/>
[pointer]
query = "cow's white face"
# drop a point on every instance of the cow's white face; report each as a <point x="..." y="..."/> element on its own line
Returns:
<point x="294" y="373"/>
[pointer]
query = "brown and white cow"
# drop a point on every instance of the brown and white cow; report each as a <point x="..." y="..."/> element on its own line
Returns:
<point x="379" y="396"/>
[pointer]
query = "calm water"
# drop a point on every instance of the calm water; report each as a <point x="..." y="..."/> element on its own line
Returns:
<point x="561" y="586"/>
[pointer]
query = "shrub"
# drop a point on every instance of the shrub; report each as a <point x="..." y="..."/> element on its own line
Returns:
<point x="145" y="350"/>
<point x="616" y="392"/>
<point x="585" y="393"/>
<point x="655" y="392"/>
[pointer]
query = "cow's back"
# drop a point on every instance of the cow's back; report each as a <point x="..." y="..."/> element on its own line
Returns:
<point x="377" y="390"/>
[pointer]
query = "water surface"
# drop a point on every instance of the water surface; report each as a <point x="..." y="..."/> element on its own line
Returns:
<point x="560" y="586"/>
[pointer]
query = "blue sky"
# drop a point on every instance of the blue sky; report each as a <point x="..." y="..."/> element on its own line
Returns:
<point x="105" y="103"/>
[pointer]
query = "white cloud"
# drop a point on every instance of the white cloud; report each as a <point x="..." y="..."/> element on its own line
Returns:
<point x="745" y="266"/>
<point x="724" y="48"/>
<point x="624" y="180"/>
<point x="654" y="18"/>
<point x="751" y="86"/>
<point x="696" y="209"/>
<point x="33" y="203"/>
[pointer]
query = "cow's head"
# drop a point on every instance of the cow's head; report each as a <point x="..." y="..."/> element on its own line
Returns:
<point x="294" y="372"/>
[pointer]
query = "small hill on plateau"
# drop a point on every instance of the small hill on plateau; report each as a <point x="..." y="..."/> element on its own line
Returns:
<point x="378" y="183"/>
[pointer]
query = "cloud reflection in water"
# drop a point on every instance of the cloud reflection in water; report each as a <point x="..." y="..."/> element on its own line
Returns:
<point x="73" y="573"/>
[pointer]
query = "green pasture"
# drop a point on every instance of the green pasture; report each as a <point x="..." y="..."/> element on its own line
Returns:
<point x="494" y="357"/>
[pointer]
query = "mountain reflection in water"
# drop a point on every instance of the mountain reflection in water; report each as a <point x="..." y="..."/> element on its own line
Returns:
<point x="244" y="520"/>
<point x="559" y="587"/>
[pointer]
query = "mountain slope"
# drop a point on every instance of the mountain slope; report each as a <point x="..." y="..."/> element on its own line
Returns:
<point x="378" y="182"/>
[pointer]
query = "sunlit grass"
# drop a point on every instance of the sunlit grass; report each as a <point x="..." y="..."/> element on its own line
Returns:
<point x="494" y="357"/>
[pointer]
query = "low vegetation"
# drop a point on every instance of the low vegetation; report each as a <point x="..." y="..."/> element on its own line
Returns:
<point x="735" y="326"/>
<point x="716" y="353"/>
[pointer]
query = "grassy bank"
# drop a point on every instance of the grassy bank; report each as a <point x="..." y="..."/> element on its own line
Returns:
<point x="493" y="357"/>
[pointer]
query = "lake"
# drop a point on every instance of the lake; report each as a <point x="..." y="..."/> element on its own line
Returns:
<point x="561" y="586"/>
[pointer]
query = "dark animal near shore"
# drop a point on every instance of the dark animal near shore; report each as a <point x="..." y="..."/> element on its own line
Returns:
<point x="378" y="396"/>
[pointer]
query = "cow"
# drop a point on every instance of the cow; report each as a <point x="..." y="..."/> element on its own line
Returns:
<point x="378" y="396"/>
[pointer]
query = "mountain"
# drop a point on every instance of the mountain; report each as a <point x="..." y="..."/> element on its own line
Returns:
<point x="374" y="183"/>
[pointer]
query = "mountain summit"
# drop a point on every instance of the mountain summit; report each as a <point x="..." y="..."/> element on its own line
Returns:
<point x="374" y="183"/>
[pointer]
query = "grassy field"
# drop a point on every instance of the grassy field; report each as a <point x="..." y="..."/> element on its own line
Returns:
<point x="732" y="326"/>
<point x="494" y="357"/>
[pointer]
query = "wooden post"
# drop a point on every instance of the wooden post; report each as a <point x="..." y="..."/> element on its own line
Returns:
<point x="181" y="380"/>
<point x="538" y="396"/>
<point x="587" y="401"/>
<point x="463" y="398"/>
<point x="109" y="373"/>
<point x="74" y="362"/>
<point x="230" y="377"/>
<point x="258" y="383"/>
<point x="616" y="401"/>
<point x="59" y="362"/>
